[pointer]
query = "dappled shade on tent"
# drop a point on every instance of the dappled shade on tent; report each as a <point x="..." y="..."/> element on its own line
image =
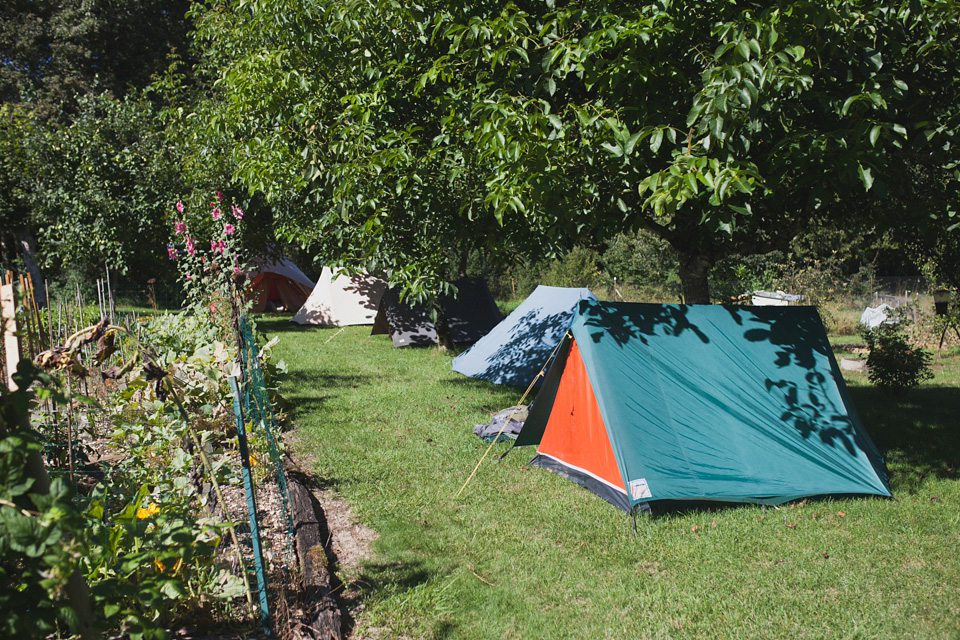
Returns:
<point x="516" y="349"/>
<point x="343" y="300"/>
<point x="701" y="402"/>
<point x="470" y="315"/>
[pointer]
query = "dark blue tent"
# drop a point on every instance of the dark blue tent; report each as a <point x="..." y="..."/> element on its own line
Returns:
<point x="470" y="315"/>
<point x="515" y="350"/>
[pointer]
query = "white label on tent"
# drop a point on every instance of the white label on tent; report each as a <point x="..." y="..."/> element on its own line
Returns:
<point x="639" y="489"/>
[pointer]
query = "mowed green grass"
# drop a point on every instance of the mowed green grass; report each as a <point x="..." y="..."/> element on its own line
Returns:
<point x="523" y="553"/>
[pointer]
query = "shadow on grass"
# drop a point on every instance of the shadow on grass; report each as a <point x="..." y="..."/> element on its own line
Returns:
<point x="395" y="580"/>
<point x="305" y="392"/>
<point x="918" y="433"/>
<point x="475" y="384"/>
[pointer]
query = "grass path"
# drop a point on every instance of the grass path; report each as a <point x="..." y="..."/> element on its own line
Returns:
<point x="526" y="554"/>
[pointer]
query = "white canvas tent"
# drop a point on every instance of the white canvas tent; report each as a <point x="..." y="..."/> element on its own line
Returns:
<point x="342" y="300"/>
<point x="277" y="285"/>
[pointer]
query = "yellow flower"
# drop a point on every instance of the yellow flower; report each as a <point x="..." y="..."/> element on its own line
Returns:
<point x="162" y="568"/>
<point x="149" y="511"/>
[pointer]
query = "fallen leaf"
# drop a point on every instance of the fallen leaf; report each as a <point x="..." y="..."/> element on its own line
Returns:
<point x="792" y="525"/>
<point x="695" y="528"/>
<point x="842" y="513"/>
<point x="713" y="524"/>
<point x="826" y="555"/>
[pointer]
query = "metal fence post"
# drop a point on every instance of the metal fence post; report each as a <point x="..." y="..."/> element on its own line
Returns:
<point x="251" y="506"/>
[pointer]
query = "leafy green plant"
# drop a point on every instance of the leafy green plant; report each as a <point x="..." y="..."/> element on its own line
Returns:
<point x="894" y="364"/>
<point x="39" y="552"/>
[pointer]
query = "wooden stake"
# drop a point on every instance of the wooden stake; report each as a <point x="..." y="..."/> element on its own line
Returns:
<point x="11" y="345"/>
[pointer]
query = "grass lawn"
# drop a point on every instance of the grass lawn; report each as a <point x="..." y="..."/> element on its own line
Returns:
<point x="524" y="553"/>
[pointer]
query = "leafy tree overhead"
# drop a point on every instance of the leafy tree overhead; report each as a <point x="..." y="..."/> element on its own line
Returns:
<point x="328" y="116"/>
<point x="724" y="128"/>
<point x="102" y="181"/>
<point x="85" y="165"/>
<point x="52" y="51"/>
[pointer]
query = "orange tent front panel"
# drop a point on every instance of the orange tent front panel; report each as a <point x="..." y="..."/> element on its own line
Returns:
<point x="575" y="439"/>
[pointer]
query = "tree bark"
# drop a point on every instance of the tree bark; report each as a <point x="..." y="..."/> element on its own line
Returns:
<point x="25" y="240"/>
<point x="324" y="612"/>
<point x="694" y="269"/>
<point x="444" y="340"/>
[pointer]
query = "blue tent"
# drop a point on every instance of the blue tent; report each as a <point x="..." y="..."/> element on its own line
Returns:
<point x="515" y="350"/>
<point x="649" y="402"/>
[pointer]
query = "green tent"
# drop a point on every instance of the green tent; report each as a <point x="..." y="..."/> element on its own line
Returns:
<point x="650" y="402"/>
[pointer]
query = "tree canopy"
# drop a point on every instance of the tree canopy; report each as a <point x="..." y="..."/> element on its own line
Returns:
<point x="86" y="166"/>
<point x="399" y="131"/>
<point x="54" y="51"/>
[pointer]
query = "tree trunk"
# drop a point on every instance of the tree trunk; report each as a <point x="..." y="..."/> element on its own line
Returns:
<point x="444" y="341"/>
<point x="694" y="269"/>
<point x="25" y="240"/>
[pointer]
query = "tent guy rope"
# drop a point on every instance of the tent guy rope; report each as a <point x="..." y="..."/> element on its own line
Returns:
<point x="540" y="374"/>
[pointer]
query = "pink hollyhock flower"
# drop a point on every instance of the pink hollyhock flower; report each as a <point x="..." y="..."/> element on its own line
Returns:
<point x="213" y="309"/>
<point x="188" y="276"/>
<point x="237" y="212"/>
<point x="179" y="227"/>
<point x="172" y="253"/>
<point x="236" y="270"/>
<point x="180" y="207"/>
<point x="219" y="196"/>
<point x="217" y="213"/>
<point x="191" y="246"/>
<point x="229" y="229"/>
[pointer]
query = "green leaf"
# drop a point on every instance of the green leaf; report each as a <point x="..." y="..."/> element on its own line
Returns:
<point x="846" y="104"/>
<point x="874" y="134"/>
<point x="656" y="140"/>
<point x="613" y="149"/>
<point x="865" y="176"/>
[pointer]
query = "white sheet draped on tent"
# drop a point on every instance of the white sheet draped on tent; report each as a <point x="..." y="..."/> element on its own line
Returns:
<point x="873" y="317"/>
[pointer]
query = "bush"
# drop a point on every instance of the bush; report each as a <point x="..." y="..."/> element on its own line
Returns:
<point x="894" y="364"/>
<point x="644" y="262"/>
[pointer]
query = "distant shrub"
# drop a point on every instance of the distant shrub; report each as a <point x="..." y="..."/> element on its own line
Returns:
<point x="894" y="364"/>
<point x="578" y="268"/>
